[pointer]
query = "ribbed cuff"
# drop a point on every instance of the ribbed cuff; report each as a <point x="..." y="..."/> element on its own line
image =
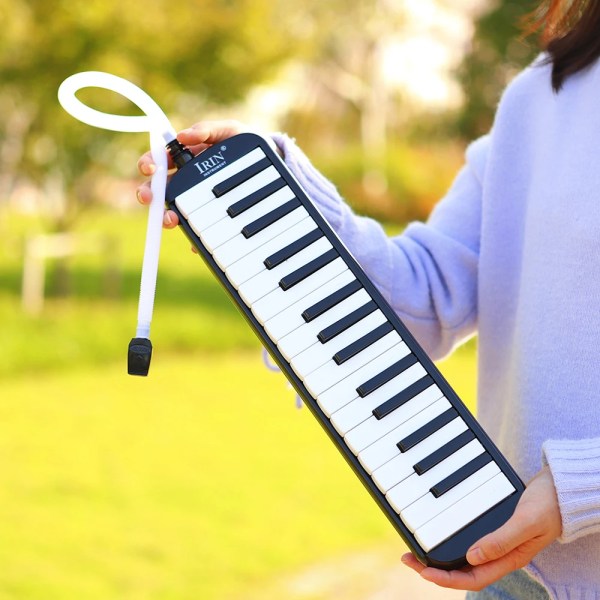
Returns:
<point x="575" y="467"/>
<point x="323" y="193"/>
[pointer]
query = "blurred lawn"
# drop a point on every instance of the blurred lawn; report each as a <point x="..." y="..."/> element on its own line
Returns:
<point x="95" y="322"/>
<point x="198" y="482"/>
<point x="201" y="482"/>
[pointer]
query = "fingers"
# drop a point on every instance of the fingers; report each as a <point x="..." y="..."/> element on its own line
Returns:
<point x="170" y="219"/>
<point x="410" y="561"/>
<point x="535" y="523"/>
<point x="143" y="193"/>
<point x="536" y="518"/>
<point x="147" y="167"/>
<point x="476" y="578"/>
<point x="206" y="133"/>
<point x="507" y="549"/>
<point x="468" y="578"/>
<point x="462" y="579"/>
<point x="198" y="137"/>
<point x="144" y="196"/>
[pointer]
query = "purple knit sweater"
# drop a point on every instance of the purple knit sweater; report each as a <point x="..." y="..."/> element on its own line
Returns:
<point x="512" y="253"/>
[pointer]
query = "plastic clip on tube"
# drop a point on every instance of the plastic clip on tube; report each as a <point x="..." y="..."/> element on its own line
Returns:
<point x="161" y="133"/>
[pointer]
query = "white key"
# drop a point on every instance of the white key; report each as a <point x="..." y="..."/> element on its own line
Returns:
<point x="291" y="318"/>
<point x="201" y="193"/>
<point x="463" y="512"/>
<point x="215" y="210"/>
<point x="238" y="246"/>
<point x="401" y="466"/>
<point x="330" y="373"/>
<point x="252" y="263"/>
<point x="268" y="280"/>
<point x="227" y="228"/>
<point x="416" y="486"/>
<point x="278" y="300"/>
<point x="345" y="391"/>
<point x="305" y="336"/>
<point x="361" y="409"/>
<point x="427" y="507"/>
<point x="373" y="429"/>
<point x="318" y="354"/>
<point x="379" y="451"/>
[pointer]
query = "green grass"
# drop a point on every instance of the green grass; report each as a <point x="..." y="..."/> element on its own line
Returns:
<point x="191" y="484"/>
<point x="94" y="323"/>
<point x="201" y="481"/>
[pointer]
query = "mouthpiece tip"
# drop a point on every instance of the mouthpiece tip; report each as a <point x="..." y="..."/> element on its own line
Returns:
<point x="139" y="356"/>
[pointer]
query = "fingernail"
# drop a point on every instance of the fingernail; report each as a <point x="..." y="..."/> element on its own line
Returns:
<point x="186" y="131"/>
<point x="148" y="168"/>
<point x="167" y="219"/>
<point x="138" y="195"/>
<point x="475" y="556"/>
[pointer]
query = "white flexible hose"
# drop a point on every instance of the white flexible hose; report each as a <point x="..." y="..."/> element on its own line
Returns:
<point x="161" y="133"/>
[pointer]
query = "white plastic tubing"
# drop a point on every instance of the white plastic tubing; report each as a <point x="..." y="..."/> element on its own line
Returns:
<point x="161" y="133"/>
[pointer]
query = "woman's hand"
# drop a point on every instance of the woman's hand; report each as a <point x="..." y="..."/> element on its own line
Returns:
<point x="197" y="138"/>
<point x="535" y="523"/>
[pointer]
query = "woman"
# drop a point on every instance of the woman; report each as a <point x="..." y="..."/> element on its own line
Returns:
<point x="513" y="253"/>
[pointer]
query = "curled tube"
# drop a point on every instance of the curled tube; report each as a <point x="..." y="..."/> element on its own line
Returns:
<point x="155" y="122"/>
<point x="154" y="119"/>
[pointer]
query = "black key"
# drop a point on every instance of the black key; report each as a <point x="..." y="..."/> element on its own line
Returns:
<point x="240" y="177"/>
<point x="439" y="489"/>
<point x="435" y="458"/>
<point x="364" y="342"/>
<point x="306" y="240"/>
<point x="270" y="218"/>
<point x="376" y="382"/>
<point x="339" y="326"/>
<point x="316" y="310"/>
<point x="237" y="208"/>
<point x="424" y="432"/>
<point x="295" y="277"/>
<point x="389" y="406"/>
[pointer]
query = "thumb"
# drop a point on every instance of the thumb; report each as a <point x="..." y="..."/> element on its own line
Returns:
<point x="536" y="520"/>
<point x="500" y="542"/>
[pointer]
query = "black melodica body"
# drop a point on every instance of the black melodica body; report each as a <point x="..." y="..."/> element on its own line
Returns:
<point x="420" y="453"/>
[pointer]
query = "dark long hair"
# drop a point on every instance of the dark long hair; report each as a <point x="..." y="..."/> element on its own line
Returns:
<point x="570" y="33"/>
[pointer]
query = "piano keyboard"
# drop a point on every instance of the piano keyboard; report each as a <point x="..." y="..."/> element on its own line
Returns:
<point x="418" y="450"/>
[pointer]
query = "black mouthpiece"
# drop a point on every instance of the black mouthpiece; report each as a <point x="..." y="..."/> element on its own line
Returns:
<point x="138" y="356"/>
<point x="179" y="153"/>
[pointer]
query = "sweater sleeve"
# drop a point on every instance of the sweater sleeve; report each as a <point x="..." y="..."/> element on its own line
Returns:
<point x="575" y="467"/>
<point x="428" y="274"/>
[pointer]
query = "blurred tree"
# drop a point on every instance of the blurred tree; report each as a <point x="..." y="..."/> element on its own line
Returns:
<point x="352" y="121"/>
<point x="498" y="52"/>
<point x="197" y="52"/>
<point x="345" y="71"/>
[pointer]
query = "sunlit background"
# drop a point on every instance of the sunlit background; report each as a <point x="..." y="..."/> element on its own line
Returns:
<point x="204" y="481"/>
